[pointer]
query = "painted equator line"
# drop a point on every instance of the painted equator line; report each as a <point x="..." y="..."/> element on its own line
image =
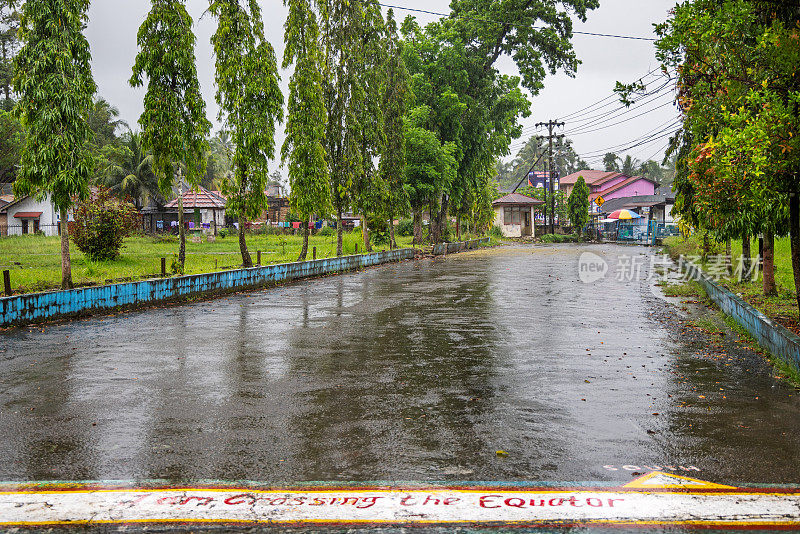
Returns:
<point x="654" y="499"/>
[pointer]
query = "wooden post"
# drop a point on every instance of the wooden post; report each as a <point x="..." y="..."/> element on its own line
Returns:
<point x="163" y="267"/>
<point x="7" y="282"/>
<point x="356" y="248"/>
<point x="258" y="257"/>
<point x="314" y="251"/>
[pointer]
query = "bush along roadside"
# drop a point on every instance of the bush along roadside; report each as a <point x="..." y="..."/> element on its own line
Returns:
<point x="779" y="345"/>
<point x="780" y="307"/>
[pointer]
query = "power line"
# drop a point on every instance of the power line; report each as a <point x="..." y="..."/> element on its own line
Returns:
<point x="603" y="121"/>
<point x="583" y="129"/>
<point x="613" y="95"/>
<point x="435" y="13"/>
<point x="585" y="117"/>
<point x="624" y="109"/>
<point x="661" y="128"/>
<point x="581" y="132"/>
<point x="601" y="153"/>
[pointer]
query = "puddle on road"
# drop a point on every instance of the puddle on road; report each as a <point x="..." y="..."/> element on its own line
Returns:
<point x="414" y="371"/>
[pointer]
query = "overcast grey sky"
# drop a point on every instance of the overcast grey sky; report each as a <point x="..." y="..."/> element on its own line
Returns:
<point x="112" y="34"/>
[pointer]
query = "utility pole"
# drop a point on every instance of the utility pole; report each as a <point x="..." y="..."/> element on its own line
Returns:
<point x="550" y="125"/>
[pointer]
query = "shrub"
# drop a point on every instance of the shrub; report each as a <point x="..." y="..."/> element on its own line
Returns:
<point x="327" y="231"/>
<point x="166" y="238"/>
<point x="495" y="231"/>
<point x="222" y="233"/>
<point x="101" y="223"/>
<point x="558" y="238"/>
<point x="405" y="228"/>
<point x="378" y="231"/>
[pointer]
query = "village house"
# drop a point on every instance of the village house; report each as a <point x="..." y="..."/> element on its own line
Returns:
<point x="27" y="215"/>
<point x="609" y="185"/>
<point x="209" y="206"/>
<point x="514" y="214"/>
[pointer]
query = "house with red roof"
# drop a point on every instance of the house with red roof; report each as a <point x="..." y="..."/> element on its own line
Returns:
<point x="609" y="185"/>
<point x="209" y="205"/>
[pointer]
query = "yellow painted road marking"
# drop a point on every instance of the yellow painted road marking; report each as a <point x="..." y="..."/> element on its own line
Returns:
<point x="661" y="480"/>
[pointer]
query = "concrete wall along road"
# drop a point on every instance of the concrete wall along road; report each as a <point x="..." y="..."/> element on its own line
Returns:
<point x="35" y="307"/>
<point x="780" y="341"/>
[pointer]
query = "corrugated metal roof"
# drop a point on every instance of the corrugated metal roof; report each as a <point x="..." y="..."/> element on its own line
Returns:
<point x="27" y="214"/>
<point x="201" y="199"/>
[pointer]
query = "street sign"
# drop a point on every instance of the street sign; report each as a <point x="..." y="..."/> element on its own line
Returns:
<point x="599" y="201"/>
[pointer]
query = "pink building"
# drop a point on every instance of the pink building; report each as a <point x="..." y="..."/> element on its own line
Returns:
<point x="609" y="185"/>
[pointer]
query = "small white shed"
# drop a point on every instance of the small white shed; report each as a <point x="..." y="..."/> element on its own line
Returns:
<point x="514" y="214"/>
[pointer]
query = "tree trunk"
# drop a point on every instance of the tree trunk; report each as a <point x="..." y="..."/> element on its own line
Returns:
<point x="365" y="233"/>
<point x="304" y="250"/>
<point x="728" y="261"/>
<point x="441" y="218"/>
<point x="706" y="246"/>
<point x="392" y="242"/>
<point x="794" y="240"/>
<point x="417" y="226"/>
<point x="745" y="259"/>
<point x="433" y="224"/>
<point x="247" y="261"/>
<point x="769" y="264"/>
<point x="339" y="231"/>
<point x="66" y="264"/>
<point x="181" y="232"/>
<point x="458" y="228"/>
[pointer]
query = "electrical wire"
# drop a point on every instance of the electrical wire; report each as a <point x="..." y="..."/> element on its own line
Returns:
<point x="615" y="96"/>
<point x="603" y="122"/>
<point x="661" y="128"/>
<point x="582" y="132"/>
<point x="599" y="157"/>
<point x="435" y="13"/>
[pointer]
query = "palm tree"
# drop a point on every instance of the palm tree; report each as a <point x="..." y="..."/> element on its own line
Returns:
<point x="104" y="121"/>
<point x="127" y="171"/>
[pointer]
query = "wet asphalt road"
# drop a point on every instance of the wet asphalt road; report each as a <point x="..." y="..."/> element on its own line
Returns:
<point x="417" y="371"/>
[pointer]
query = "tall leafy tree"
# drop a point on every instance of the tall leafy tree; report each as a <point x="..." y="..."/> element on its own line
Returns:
<point x="12" y="142"/>
<point x="368" y="184"/>
<point x="174" y="123"/>
<point x="303" y="147"/>
<point x="341" y="34"/>
<point x="578" y="203"/>
<point x="430" y="166"/>
<point x="738" y="92"/>
<point x="53" y="80"/>
<point x="534" y="33"/>
<point x="250" y="102"/>
<point x="395" y="103"/>
<point x="9" y="45"/>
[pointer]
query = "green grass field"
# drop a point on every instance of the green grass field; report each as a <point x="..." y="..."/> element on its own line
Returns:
<point x="783" y="306"/>
<point x="35" y="261"/>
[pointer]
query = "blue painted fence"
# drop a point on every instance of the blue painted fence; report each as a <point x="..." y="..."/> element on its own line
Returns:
<point x="780" y="341"/>
<point x="24" y="309"/>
